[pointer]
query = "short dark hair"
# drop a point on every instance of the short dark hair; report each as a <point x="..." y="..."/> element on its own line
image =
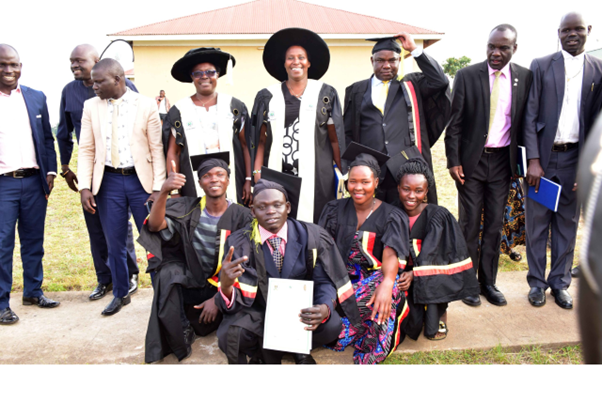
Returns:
<point x="110" y="65"/>
<point x="416" y="166"/>
<point x="506" y="27"/>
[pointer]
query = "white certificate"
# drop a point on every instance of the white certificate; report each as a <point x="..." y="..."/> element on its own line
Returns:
<point x="283" y="328"/>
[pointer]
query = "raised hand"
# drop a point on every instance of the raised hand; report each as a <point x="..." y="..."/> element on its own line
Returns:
<point x="230" y="271"/>
<point x="175" y="181"/>
<point x="407" y="42"/>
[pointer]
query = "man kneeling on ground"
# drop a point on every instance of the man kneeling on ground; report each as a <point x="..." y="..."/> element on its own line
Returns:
<point x="185" y="238"/>
<point x="274" y="246"/>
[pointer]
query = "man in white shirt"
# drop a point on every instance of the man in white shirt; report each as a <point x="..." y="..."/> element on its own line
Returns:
<point x="27" y="172"/>
<point x="163" y="105"/>
<point x="565" y="98"/>
<point x="121" y="162"/>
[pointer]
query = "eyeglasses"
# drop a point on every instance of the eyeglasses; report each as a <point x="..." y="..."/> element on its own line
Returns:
<point x="201" y="74"/>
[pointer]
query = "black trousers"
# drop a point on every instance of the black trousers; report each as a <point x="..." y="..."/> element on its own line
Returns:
<point x="251" y="345"/>
<point x="485" y="192"/>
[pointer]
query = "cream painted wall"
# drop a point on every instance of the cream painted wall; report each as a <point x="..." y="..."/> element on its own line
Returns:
<point x="349" y="62"/>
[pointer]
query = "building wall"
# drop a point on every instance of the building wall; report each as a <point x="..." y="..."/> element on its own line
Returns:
<point x="349" y="62"/>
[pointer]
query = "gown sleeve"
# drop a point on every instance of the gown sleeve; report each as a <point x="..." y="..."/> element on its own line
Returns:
<point x="329" y="218"/>
<point x="397" y="234"/>
<point x="443" y="271"/>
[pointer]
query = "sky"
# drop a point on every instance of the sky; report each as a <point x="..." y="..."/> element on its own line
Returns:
<point x="48" y="31"/>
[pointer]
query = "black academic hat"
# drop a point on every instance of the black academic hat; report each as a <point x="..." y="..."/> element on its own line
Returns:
<point x="207" y="162"/>
<point x="292" y="185"/>
<point x="182" y="68"/>
<point x="276" y="47"/>
<point x="387" y="43"/>
<point x="355" y="149"/>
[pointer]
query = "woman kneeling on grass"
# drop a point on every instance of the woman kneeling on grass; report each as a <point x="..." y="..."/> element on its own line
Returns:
<point x="442" y="271"/>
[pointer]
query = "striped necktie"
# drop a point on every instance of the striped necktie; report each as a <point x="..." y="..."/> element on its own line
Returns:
<point x="382" y="97"/>
<point x="114" y="133"/>
<point x="276" y="254"/>
<point x="495" y="96"/>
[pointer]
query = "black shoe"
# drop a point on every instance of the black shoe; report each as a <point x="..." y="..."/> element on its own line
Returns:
<point x="514" y="256"/>
<point x="189" y="335"/>
<point x="303" y="359"/>
<point x="133" y="284"/>
<point x="537" y="297"/>
<point x="493" y="295"/>
<point x="41" y="301"/>
<point x="8" y="317"/>
<point x="473" y="301"/>
<point x="575" y="272"/>
<point x="562" y="298"/>
<point x="116" y="304"/>
<point x="100" y="291"/>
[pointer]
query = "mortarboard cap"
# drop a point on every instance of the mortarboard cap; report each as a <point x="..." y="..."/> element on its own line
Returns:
<point x="361" y="155"/>
<point x="291" y="184"/>
<point x="387" y="43"/>
<point x="204" y="163"/>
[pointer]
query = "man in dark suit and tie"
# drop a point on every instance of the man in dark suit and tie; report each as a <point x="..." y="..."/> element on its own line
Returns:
<point x="564" y="101"/>
<point x="392" y="113"/>
<point x="27" y="171"/>
<point x="481" y="147"/>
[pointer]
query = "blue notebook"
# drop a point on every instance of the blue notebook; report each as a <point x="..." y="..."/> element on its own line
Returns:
<point x="522" y="161"/>
<point x="548" y="195"/>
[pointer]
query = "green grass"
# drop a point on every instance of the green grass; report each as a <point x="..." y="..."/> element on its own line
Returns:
<point x="497" y="355"/>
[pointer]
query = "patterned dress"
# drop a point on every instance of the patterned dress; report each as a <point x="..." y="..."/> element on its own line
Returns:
<point x="362" y="251"/>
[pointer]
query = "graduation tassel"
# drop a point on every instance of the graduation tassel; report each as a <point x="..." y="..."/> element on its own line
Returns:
<point x="229" y="68"/>
<point x="400" y="72"/>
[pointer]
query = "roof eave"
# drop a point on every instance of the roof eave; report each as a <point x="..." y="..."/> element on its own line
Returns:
<point x="433" y="37"/>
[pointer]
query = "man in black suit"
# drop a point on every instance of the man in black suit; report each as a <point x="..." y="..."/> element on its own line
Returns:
<point x="481" y="147"/>
<point x="392" y="114"/>
<point x="564" y="101"/>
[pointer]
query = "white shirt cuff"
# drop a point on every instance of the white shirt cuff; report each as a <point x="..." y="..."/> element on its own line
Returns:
<point x="51" y="173"/>
<point x="417" y="52"/>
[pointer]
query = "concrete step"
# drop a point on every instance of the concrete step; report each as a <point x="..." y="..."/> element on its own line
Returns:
<point x="76" y="332"/>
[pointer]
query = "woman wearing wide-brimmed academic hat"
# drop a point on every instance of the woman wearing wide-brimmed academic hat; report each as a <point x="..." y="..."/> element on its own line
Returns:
<point x="297" y="125"/>
<point x="207" y="122"/>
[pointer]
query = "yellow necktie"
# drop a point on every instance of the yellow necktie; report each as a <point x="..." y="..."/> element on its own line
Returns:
<point x="495" y="96"/>
<point x="114" y="133"/>
<point x="382" y="97"/>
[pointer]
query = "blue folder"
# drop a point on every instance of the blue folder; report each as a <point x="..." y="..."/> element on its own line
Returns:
<point x="548" y="195"/>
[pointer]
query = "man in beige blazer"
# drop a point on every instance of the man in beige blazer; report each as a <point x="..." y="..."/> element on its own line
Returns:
<point x="121" y="162"/>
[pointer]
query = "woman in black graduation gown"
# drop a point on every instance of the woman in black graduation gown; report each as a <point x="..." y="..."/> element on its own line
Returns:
<point x="439" y="264"/>
<point x="297" y="125"/>
<point x="372" y="237"/>
<point x="207" y="122"/>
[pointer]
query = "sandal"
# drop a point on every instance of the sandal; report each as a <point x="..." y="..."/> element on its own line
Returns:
<point x="441" y="333"/>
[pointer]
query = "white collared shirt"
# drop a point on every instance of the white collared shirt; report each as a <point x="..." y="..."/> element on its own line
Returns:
<point x="125" y="128"/>
<point x="377" y="84"/>
<point x="17" y="150"/>
<point x="568" y="123"/>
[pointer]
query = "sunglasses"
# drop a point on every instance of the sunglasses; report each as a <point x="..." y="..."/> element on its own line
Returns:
<point x="201" y="74"/>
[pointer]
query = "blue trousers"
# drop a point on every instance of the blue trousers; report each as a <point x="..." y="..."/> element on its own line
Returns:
<point x="117" y="194"/>
<point x="22" y="204"/>
<point x="100" y="251"/>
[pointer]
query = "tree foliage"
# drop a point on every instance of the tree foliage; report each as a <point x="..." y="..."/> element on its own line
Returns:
<point x="453" y="64"/>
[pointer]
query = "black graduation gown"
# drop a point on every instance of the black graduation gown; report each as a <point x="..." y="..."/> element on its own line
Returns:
<point x="248" y="310"/>
<point x="328" y="105"/>
<point x="443" y="271"/>
<point x="387" y="225"/>
<point x="164" y="334"/>
<point x="174" y="120"/>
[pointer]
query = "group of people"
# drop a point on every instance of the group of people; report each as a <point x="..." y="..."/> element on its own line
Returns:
<point x="225" y="199"/>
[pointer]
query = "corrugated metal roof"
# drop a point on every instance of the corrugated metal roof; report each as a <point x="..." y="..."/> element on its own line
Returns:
<point x="269" y="16"/>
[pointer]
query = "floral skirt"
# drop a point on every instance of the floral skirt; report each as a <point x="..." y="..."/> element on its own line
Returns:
<point x="373" y="342"/>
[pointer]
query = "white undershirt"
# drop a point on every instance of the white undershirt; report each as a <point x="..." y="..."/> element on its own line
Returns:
<point x="568" y="123"/>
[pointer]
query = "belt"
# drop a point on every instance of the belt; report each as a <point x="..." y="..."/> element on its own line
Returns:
<point x="564" y="147"/>
<point x="22" y="173"/>
<point x="494" y="150"/>
<point x="128" y="171"/>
